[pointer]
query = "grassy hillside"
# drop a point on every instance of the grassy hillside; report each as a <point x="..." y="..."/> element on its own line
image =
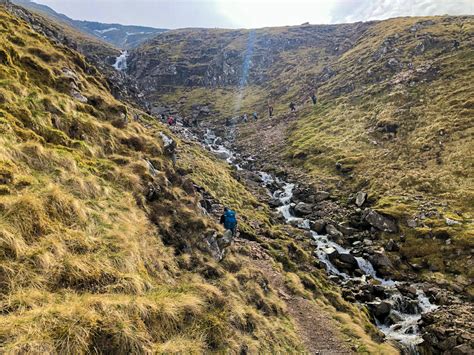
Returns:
<point x="395" y="111"/>
<point x="91" y="261"/>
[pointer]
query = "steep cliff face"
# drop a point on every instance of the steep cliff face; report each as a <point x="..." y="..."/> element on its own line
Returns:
<point x="394" y="117"/>
<point x="227" y="58"/>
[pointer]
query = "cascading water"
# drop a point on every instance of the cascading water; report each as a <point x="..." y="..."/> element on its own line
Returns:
<point x="402" y="323"/>
<point x="121" y="61"/>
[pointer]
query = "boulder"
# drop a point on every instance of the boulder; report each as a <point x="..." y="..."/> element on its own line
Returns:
<point x="318" y="226"/>
<point x="346" y="230"/>
<point x="379" y="221"/>
<point x="333" y="232"/>
<point x="360" y="198"/>
<point x="303" y="209"/>
<point x="321" y="196"/>
<point x="275" y="203"/>
<point x="343" y="262"/>
<point x="381" y="264"/>
<point x="380" y="309"/>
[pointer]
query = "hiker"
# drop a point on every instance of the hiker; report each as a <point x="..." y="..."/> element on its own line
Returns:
<point x="171" y="121"/>
<point x="314" y="98"/>
<point x="456" y="44"/>
<point x="245" y="118"/>
<point x="255" y="116"/>
<point x="270" y="111"/>
<point x="292" y="106"/>
<point x="229" y="220"/>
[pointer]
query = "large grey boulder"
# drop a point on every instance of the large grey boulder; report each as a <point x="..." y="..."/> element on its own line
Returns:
<point x="333" y="232"/>
<point x="379" y="221"/>
<point x="303" y="209"/>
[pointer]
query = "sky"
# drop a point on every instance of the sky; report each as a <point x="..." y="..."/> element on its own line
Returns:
<point x="251" y="13"/>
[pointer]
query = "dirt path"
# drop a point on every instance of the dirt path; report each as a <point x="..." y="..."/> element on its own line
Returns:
<point x="315" y="327"/>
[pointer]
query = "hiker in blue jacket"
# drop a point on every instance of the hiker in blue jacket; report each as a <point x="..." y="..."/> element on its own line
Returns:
<point x="229" y="220"/>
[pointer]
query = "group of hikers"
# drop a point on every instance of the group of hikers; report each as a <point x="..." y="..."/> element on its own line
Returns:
<point x="292" y="106"/>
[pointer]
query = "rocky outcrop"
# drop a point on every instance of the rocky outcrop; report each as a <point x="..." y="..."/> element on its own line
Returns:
<point x="379" y="221"/>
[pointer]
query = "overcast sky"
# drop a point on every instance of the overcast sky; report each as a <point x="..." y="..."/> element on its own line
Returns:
<point x="251" y="13"/>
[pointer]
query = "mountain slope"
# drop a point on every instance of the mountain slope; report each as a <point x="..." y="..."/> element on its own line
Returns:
<point x="121" y="36"/>
<point x="104" y="246"/>
<point x="394" y="117"/>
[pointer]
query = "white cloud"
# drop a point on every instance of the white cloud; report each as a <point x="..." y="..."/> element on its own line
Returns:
<point x="366" y="10"/>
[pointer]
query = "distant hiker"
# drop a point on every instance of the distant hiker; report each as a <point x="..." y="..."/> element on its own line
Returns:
<point x="255" y="116"/>
<point x="292" y="106"/>
<point x="228" y="122"/>
<point x="456" y="44"/>
<point x="229" y="220"/>
<point x="270" y="111"/>
<point x="163" y="117"/>
<point x="171" y="121"/>
<point x="314" y="98"/>
<point x="245" y="118"/>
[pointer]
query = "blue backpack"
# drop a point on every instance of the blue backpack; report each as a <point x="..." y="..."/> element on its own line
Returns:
<point x="230" y="220"/>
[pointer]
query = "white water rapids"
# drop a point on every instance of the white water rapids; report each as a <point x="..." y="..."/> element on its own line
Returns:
<point x="405" y="329"/>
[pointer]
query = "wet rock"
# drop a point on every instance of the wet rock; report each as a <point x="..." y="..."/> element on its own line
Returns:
<point x="318" y="226"/>
<point x="303" y="209"/>
<point x="381" y="264"/>
<point x="380" y="221"/>
<point x="380" y="309"/>
<point x="360" y="198"/>
<point x="343" y="262"/>
<point x="275" y="203"/>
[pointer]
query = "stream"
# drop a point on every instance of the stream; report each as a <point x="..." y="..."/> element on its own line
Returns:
<point x="400" y="320"/>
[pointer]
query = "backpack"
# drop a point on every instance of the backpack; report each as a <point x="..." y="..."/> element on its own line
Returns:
<point x="230" y="220"/>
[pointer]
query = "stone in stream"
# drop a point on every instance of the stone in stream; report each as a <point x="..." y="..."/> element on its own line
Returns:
<point x="303" y="209"/>
<point x="318" y="226"/>
<point x="343" y="262"/>
<point x="275" y="202"/>
<point x="380" y="309"/>
<point x="222" y="155"/>
<point x="381" y="264"/>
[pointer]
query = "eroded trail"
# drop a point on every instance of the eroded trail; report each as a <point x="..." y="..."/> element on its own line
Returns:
<point x="316" y="328"/>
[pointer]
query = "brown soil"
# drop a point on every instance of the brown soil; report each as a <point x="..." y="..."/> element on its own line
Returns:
<point x="316" y="328"/>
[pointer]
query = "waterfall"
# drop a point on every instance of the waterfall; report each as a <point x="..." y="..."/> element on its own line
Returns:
<point x="121" y="61"/>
